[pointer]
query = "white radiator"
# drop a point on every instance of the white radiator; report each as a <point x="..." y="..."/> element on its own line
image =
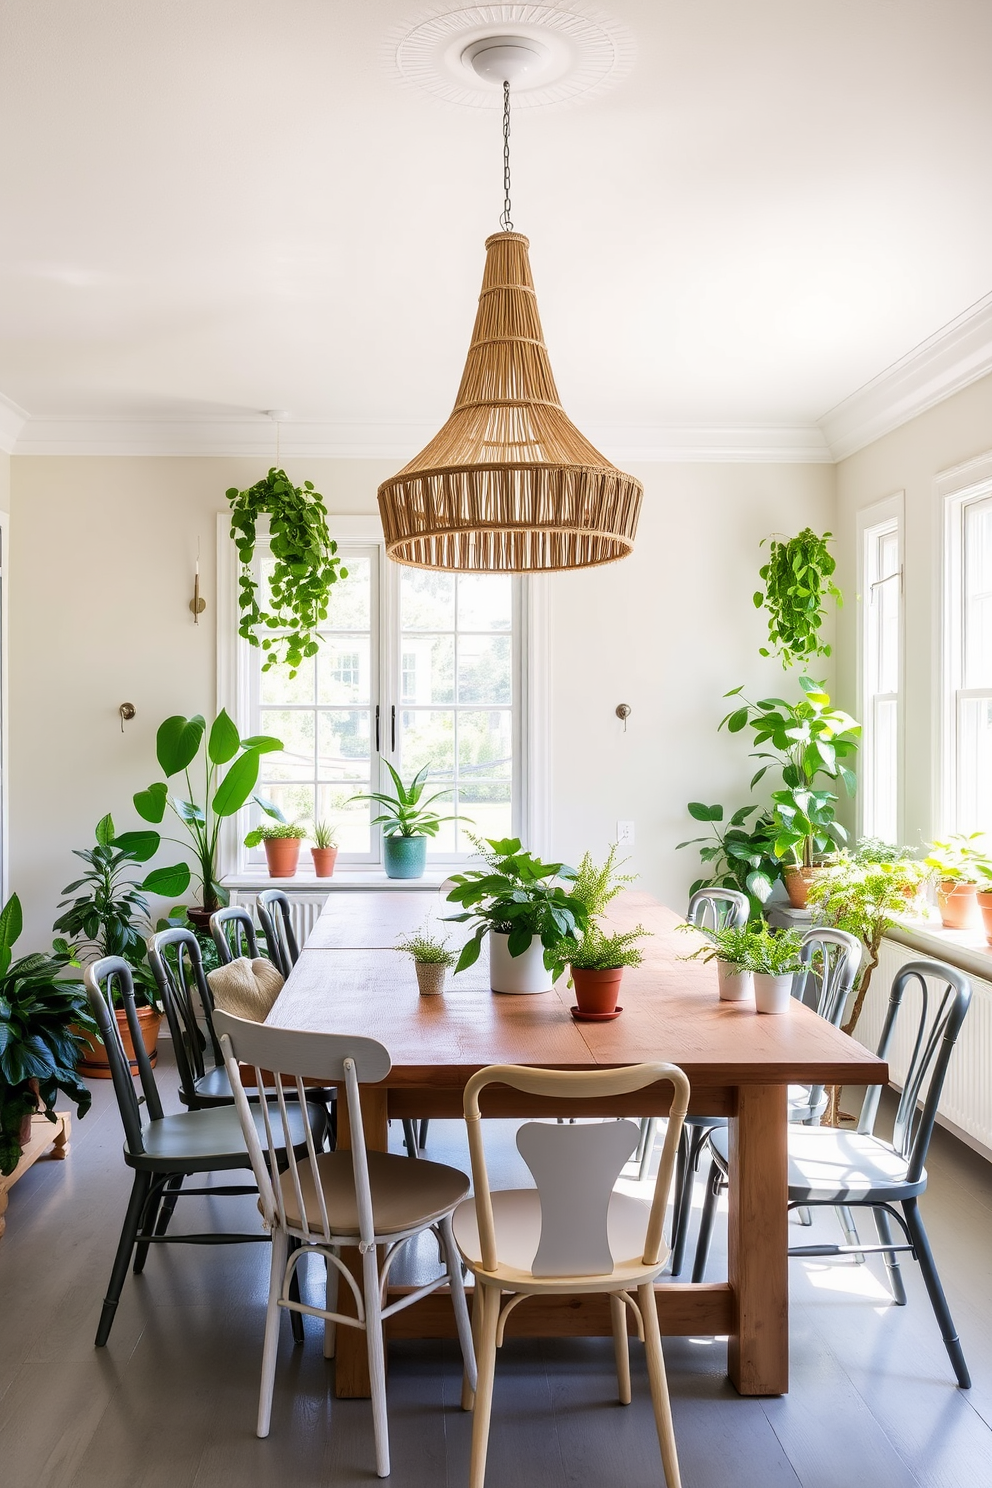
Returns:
<point x="966" y="1102"/>
<point x="305" y="906"/>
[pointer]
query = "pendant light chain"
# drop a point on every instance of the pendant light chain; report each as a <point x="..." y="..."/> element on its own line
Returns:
<point x="505" y="220"/>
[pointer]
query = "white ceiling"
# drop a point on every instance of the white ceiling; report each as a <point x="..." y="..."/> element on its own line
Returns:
<point x="214" y="207"/>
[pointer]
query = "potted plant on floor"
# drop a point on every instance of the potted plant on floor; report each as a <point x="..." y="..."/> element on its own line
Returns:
<point x="38" y="1049"/>
<point x="406" y="823"/>
<point x="728" y="948"/>
<point x="958" y="866"/>
<point x="431" y="959"/>
<point x="533" y="922"/>
<point x="772" y="957"/>
<point x="281" y="841"/>
<point x="228" y="766"/>
<point x="324" y="850"/>
<point x="108" y="916"/>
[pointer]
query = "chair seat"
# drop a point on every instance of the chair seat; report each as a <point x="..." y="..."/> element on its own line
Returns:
<point x="517" y="1217"/>
<point x="798" y="1102"/>
<point x="197" y="1141"/>
<point x="214" y="1087"/>
<point x="406" y="1194"/>
<point x="830" y="1166"/>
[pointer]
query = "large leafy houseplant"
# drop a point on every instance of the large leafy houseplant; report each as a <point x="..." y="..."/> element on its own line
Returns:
<point x="227" y="766"/>
<point x="110" y="916"/>
<point x="740" y="855"/>
<point x="38" y="1052"/>
<point x="306" y="566"/>
<point x="797" y="580"/>
<point x="517" y="895"/>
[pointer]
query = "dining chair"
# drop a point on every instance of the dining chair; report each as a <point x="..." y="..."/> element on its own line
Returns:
<point x="275" y="915"/>
<point x="177" y="965"/>
<point x="234" y="935"/>
<point x="831" y="1166"/>
<point x="831" y="959"/>
<point x="162" y="1150"/>
<point x="572" y="1234"/>
<point x="709" y="909"/>
<point x="329" y="1201"/>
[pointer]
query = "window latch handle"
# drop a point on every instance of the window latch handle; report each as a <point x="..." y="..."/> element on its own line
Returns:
<point x="377" y="728"/>
<point x="392" y="728"/>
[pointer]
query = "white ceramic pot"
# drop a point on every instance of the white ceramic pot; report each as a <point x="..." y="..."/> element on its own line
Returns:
<point x="735" y="985"/>
<point x="772" y="994"/>
<point x="524" y="973"/>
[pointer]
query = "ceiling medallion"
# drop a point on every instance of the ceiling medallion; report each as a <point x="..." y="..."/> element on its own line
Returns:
<point x="509" y="484"/>
<point x="580" y="53"/>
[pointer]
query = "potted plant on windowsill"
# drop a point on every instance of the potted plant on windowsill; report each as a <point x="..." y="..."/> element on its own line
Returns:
<point x="406" y="823"/>
<point x="533" y="922"/>
<point x="431" y="959"/>
<point x="597" y="965"/>
<point x="281" y="841"/>
<point x="958" y="868"/>
<point x="728" y="948"/>
<point x="324" y="850"/>
<point x="39" y="1051"/>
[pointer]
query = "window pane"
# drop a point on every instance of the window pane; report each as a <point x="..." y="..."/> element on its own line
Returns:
<point x="974" y="762"/>
<point x="884" y="766"/>
<point x="294" y="801"/>
<point x="427" y="600"/>
<point x="427" y="737"/>
<point x="483" y="669"/>
<point x="488" y="807"/>
<point x="343" y="671"/>
<point x="978" y="594"/>
<point x="350" y="819"/>
<point x="277" y="687"/>
<point x="427" y="669"/>
<point x="295" y="729"/>
<point x="485" y="602"/>
<point x="350" y="605"/>
<point x="343" y="740"/>
<point x="485" y="745"/>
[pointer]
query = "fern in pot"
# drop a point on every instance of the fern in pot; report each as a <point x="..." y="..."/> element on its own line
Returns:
<point x="431" y="958"/>
<point x="773" y="958"/>
<point x="729" y="949"/>
<point x="597" y="965"/>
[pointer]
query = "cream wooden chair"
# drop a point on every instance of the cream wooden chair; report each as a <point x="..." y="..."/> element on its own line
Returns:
<point x="572" y="1233"/>
<point x="324" y="1201"/>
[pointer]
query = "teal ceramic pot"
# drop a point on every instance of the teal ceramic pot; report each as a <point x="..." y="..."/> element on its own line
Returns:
<point x="404" y="857"/>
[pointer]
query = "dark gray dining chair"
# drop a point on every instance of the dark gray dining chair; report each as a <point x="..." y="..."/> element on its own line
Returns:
<point x="830" y="1166"/>
<point x="275" y="915"/>
<point x="234" y="934"/>
<point x="177" y="965"/>
<point x="162" y="1150"/>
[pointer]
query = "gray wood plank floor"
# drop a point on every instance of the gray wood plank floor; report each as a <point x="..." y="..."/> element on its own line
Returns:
<point x="170" y="1402"/>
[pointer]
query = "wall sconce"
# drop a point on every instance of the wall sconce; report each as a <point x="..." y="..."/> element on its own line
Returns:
<point x="196" y="604"/>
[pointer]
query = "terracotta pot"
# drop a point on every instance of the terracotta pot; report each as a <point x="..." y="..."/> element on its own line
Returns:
<point x="956" y="902"/>
<point x="772" y="994"/>
<point x="324" y="859"/>
<point x="797" y="882"/>
<point x="735" y="985"/>
<point x="596" y="991"/>
<point x="526" y="973"/>
<point x="24" y="1135"/>
<point x="94" y="1061"/>
<point x="282" y="855"/>
<point x="984" y="901"/>
<point x="430" y="977"/>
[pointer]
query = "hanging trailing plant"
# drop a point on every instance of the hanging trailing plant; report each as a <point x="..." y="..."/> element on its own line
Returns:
<point x="797" y="580"/>
<point x="305" y="567"/>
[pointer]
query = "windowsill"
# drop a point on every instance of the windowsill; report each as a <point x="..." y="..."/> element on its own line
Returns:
<point x="967" y="949"/>
<point x="342" y="879"/>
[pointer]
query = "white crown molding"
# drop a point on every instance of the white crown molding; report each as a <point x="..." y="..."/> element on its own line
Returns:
<point x="958" y="354"/>
<point x="12" y="421"/>
<point x="255" y="438"/>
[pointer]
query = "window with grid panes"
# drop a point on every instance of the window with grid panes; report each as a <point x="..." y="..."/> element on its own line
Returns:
<point x="970" y="663"/>
<point x="415" y="667"/>
<point x="882" y="594"/>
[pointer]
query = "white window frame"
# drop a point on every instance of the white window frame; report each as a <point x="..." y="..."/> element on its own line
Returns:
<point x="957" y="489"/>
<point x="887" y="515"/>
<point x="4" y="710"/>
<point x="235" y="674"/>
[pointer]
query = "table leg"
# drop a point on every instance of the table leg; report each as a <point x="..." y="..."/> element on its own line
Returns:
<point x="758" y="1261"/>
<point x="351" y="1371"/>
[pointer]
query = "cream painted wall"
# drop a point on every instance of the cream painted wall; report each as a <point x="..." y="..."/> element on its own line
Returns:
<point x="4" y="481"/>
<point x="908" y="460"/>
<point x="102" y="579"/>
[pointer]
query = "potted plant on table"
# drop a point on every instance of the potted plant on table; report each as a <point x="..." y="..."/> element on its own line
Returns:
<point x="431" y="959"/>
<point x="228" y="766"/>
<point x="533" y="922"/>
<point x="38" y="1049"/>
<point x="772" y="957"/>
<point x="729" y="949"/>
<point x="110" y="918"/>
<point x="597" y="965"/>
<point x="281" y="841"/>
<point x="406" y="823"/>
<point x="324" y="850"/>
<point x="959" y="865"/>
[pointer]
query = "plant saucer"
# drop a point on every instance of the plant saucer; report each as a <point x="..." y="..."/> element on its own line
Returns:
<point x="594" y="1017"/>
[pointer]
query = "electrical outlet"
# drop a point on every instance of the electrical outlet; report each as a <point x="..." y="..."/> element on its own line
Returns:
<point x="625" y="832"/>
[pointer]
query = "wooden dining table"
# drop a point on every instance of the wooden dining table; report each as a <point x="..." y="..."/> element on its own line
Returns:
<point x="351" y="979"/>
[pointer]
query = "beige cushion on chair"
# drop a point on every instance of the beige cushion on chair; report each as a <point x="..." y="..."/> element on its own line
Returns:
<point x="247" y="989"/>
<point x="405" y="1193"/>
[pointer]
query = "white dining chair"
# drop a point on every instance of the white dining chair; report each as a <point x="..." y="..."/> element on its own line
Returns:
<point x="572" y="1233"/>
<point x="326" y="1201"/>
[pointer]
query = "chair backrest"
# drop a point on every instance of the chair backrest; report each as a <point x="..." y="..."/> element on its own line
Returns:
<point x="941" y="1017"/>
<point x="275" y="915"/>
<point x="716" y="909"/>
<point x="234" y="935"/>
<point x="575" y="1167"/>
<point x="283" y="1058"/>
<point x="832" y="957"/>
<point x="102" y="979"/>
<point x="177" y="965"/>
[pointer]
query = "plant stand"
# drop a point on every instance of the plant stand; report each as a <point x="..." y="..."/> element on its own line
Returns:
<point x="43" y="1134"/>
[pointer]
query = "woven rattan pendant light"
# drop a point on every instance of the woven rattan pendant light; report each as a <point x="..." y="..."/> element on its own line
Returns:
<point x="509" y="485"/>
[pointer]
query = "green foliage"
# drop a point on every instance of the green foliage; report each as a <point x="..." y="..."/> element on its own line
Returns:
<point x="406" y="814"/>
<point x="808" y="738"/>
<point x="797" y="580"/>
<point x="599" y="952"/>
<point x="279" y="831"/>
<point x="323" y="835"/>
<point x="961" y="858"/>
<point x="520" y="896"/>
<point x="178" y="744"/>
<point x="741" y="855"/>
<point x="427" y="948"/>
<point x="305" y="568"/>
<point x="37" y="1008"/>
<point x="110" y="916"/>
<point x="752" y="947"/>
<point x="596" y="886"/>
<point x="729" y="944"/>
